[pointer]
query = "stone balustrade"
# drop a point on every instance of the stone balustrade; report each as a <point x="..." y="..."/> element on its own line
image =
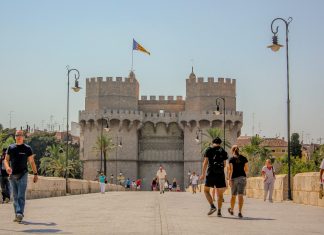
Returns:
<point x="305" y="188"/>
<point x="55" y="186"/>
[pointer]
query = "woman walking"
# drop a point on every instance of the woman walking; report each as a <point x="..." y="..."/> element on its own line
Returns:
<point x="102" y="182"/>
<point x="238" y="169"/>
<point x="268" y="174"/>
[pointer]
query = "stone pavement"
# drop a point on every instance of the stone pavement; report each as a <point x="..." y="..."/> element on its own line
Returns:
<point x="152" y="213"/>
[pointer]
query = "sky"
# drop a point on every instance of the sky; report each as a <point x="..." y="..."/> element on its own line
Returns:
<point x="38" y="39"/>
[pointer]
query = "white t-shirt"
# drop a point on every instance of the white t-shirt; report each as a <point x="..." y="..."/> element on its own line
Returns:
<point x="269" y="174"/>
<point x="161" y="174"/>
<point x="322" y="165"/>
<point x="194" y="179"/>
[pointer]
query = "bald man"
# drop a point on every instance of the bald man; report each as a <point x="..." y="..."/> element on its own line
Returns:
<point x="17" y="156"/>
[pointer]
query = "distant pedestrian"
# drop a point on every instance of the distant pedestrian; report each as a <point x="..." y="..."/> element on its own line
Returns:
<point x="5" y="185"/>
<point x="174" y="184"/>
<point x="112" y="178"/>
<point x="321" y="192"/>
<point x="17" y="156"/>
<point x="215" y="159"/>
<point x="269" y="177"/>
<point x="128" y="184"/>
<point x="161" y="176"/>
<point x="138" y="184"/>
<point x="194" y="182"/>
<point x="154" y="184"/>
<point x="238" y="169"/>
<point x="102" y="182"/>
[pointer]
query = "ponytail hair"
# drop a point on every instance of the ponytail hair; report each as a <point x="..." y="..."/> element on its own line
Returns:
<point x="235" y="150"/>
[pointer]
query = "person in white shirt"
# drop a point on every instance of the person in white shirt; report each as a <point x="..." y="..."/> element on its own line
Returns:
<point x="161" y="175"/>
<point x="321" y="192"/>
<point x="268" y="174"/>
<point x="194" y="182"/>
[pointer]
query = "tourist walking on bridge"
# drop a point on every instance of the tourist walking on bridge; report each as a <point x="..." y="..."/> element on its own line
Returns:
<point x="238" y="169"/>
<point x="102" y="182"/>
<point x="5" y="185"/>
<point x="268" y="174"/>
<point x="161" y="175"/>
<point x="17" y="156"/>
<point x="215" y="159"/>
<point x="194" y="182"/>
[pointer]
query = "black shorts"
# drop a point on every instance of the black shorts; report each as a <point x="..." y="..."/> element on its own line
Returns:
<point x="215" y="180"/>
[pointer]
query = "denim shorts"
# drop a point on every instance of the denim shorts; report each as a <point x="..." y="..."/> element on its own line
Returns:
<point x="238" y="186"/>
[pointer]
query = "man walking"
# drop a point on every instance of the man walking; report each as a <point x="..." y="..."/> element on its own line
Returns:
<point x="5" y="185"/>
<point x="161" y="175"/>
<point x="215" y="159"/>
<point x="17" y="156"/>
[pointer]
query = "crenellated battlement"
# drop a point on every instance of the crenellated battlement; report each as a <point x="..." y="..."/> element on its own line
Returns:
<point x="96" y="80"/>
<point x="211" y="80"/>
<point x="161" y="98"/>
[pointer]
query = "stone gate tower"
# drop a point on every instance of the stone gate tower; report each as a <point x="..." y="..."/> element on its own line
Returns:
<point x="153" y="130"/>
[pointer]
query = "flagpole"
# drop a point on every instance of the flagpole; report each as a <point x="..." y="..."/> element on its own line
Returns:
<point x="132" y="57"/>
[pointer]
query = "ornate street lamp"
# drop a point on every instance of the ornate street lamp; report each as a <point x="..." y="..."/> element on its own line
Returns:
<point x="107" y="129"/>
<point x="217" y="109"/>
<point x="76" y="88"/>
<point x="275" y="47"/>
<point x="119" y="144"/>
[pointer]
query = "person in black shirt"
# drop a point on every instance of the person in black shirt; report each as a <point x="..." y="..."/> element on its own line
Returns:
<point x="5" y="185"/>
<point x="17" y="156"/>
<point x="238" y="169"/>
<point x="215" y="159"/>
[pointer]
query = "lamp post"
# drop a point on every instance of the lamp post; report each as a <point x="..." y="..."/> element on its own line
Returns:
<point x="217" y="109"/>
<point x="118" y="144"/>
<point x="189" y="174"/>
<point x="76" y="88"/>
<point x="101" y="145"/>
<point x="275" y="47"/>
<point x="199" y="135"/>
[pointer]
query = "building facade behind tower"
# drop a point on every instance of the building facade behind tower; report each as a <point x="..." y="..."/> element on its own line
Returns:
<point x="153" y="130"/>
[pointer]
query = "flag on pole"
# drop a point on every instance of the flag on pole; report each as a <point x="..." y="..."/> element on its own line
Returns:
<point x="138" y="47"/>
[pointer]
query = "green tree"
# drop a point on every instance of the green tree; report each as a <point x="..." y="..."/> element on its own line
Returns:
<point x="105" y="145"/>
<point x="39" y="143"/>
<point x="318" y="156"/>
<point x="297" y="165"/>
<point x="295" y="145"/>
<point x="256" y="155"/>
<point x="53" y="163"/>
<point x="211" y="134"/>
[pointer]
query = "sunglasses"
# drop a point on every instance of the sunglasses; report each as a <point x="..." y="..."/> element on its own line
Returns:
<point x="19" y="135"/>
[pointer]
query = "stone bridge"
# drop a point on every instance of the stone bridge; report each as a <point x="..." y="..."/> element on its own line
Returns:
<point x="130" y="212"/>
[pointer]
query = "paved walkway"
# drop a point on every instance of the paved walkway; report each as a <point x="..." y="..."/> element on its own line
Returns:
<point x="152" y="213"/>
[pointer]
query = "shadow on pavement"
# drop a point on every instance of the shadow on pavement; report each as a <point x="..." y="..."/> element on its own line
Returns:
<point x="38" y="223"/>
<point x="46" y="231"/>
<point x="247" y="218"/>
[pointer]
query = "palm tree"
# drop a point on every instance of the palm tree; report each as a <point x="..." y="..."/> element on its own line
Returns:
<point x="212" y="133"/>
<point x="105" y="145"/>
<point x="54" y="162"/>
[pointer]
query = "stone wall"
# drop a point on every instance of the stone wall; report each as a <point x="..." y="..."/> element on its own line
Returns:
<point x="55" y="187"/>
<point x="254" y="188"/>
<point x="306" y="189"/>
